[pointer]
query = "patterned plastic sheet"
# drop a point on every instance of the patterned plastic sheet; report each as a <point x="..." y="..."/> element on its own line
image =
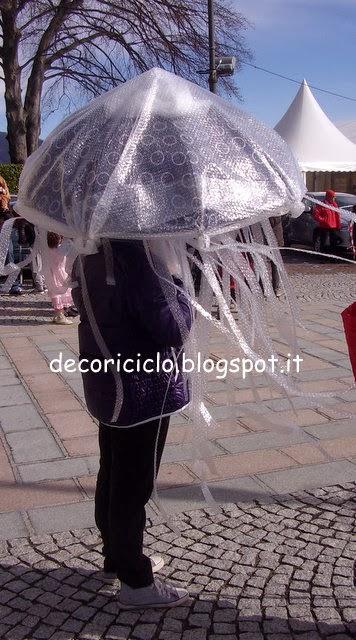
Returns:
<point x="158" y="155"/>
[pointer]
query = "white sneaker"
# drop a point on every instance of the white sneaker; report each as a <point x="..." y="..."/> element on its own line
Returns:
<point x="157" y="563"/>
<point x="110" y="576"/>
<point x="60" y="318"/>
<point x="158" y="595"/>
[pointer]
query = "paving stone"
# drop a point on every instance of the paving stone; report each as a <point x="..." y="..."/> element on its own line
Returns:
<point x="309" y="477"/>
<point x="4" y="362"/>
<point x="256" y="441"/>
<point x="220" y="636"/>
<point x="169" y="624"/>
<point x="60" y="518"/>
<point x="275" y="626"/>
<point x="8" y="378"/>
<point x="14" y="395"/>
<point x="144" y="631"/>
<point x="200" y="620"/>
<point x="224" y="491"/>
<point x="56" y="618"/>
<point x="177" y="453"/>
<point x="195" y="634"/>
<point x="203" y="606"/>
<point x="39" y="444"/>
<point x="128" y="617"/>
<point x="70" y="424"/>
<point x="62" y="400"/>
<point x="16" y="633"/>
<point x="43" y="631"/>
<point x="223" y="627"/>
<point x="54" y="470"/>
<point x="12" y="526"/>
<point x="225" y="615"/>
<point x="335" y="429"/>
<point x="118" y="632"/>
<point x="14" y="618"/>
<point x="92" y="463"/>
<point x="63" y="635"/>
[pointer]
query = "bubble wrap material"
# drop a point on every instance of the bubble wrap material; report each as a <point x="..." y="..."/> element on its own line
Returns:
<point x="158" y="155"/>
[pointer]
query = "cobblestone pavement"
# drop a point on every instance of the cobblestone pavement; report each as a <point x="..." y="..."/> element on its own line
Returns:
<point x="323" y="281"/>
<point x="313" y="278"/>
<point x="274" y="569"/>
<point x="318" y="278"/>
<point x="325" y="286"/>
<point x="30" y="307"/>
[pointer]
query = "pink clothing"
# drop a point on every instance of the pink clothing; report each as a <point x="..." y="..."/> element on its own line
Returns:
<point x="62" y="301"/>
<point x="56" y="279"/>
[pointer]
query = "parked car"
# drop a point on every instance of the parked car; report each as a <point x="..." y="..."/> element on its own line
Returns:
<point x="304" y="229"/>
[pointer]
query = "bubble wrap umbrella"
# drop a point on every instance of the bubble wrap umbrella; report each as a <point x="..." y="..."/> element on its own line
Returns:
<point x="161" y="157"/>
<point x="158" y="155"/>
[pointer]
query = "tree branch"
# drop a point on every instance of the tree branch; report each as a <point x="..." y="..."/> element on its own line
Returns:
<point x="89" y="46"/>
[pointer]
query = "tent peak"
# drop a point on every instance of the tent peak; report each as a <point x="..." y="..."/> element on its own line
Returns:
<point x="315" y="141"/>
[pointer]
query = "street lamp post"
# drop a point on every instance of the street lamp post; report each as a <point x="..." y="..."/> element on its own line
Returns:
<point x="222" y="66"/>
<point x="212" y="59"/>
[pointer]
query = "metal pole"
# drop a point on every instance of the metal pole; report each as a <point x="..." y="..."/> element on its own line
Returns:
<point x="212" y="67"/>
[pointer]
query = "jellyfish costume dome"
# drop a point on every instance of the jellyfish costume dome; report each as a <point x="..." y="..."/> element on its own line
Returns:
<point x="162" y="160"/>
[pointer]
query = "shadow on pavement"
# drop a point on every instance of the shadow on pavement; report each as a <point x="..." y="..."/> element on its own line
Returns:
<point x="67" y="599"/>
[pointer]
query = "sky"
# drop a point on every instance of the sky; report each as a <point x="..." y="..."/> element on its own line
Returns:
<point x="312" y="39"/>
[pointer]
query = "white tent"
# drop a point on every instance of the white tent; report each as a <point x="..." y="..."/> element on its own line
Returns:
<point x="315" y="141"/>
<point x="348" y="128"/>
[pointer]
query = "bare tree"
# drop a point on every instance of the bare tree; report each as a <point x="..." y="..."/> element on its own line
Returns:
<point x="55" y="49"/>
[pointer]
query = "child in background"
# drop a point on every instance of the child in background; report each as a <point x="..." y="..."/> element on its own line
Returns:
<point x="56" y="278"/>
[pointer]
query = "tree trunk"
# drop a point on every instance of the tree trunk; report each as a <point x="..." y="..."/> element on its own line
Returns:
<point x="16" y="127"/>
<point x="32" y="104"/>
<point x="33" y="107"/>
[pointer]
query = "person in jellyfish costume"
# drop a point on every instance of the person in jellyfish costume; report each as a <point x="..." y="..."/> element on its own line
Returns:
<point x="151" y="181"/>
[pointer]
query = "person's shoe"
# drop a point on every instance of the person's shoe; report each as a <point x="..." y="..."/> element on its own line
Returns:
<point x="109" y="575"/>
<point x="16" y="290"/>
<point x="157" y="563"/>
<point x="158" y="595"/>
<point x="60" y="318"/>
<point x="40" y="290"/>
<point x="71" y="312"/>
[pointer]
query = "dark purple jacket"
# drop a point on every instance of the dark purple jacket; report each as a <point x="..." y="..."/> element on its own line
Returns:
<point x="134" y="318"/>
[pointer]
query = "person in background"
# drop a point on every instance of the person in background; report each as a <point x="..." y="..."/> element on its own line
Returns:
<point x="26" y="239"/>
<point x="38" y="279"/>
<point x="328" y="222"/>
<point x="39" y="284"/>
<point x="352" y="228"/>
<point x="4" y="195"/>
<point x="277" y="227"/>
<point x="56" y="278"/>
<point x="5" y="214"/>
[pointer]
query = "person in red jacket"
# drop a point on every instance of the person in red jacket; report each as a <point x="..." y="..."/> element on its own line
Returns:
<point x="328" y="221"/>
